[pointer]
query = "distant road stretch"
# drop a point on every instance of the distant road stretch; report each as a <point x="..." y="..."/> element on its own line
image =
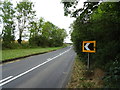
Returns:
<point x="49" y="70"/>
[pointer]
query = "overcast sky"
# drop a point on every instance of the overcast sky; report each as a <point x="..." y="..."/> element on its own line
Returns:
<point x="52" y="10"/>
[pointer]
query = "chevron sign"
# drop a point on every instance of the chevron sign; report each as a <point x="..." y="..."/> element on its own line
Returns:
<point x="89" y="46"/>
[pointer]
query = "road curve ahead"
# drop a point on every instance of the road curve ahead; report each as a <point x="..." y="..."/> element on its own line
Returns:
<point x="49" y="70"/>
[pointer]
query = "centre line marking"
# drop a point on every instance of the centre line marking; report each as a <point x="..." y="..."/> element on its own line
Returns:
<point x="48" y="60"/>
<point x="5" y="79"/>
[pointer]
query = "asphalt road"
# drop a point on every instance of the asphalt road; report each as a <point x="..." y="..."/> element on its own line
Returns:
<point x="49" y="70"/>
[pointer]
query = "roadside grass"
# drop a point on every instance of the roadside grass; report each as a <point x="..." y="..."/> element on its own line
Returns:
<point x="15" y="53"/>
<point x="83" y="78"/>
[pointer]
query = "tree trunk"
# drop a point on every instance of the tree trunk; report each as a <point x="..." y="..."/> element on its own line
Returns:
<point x="20" y="38"/>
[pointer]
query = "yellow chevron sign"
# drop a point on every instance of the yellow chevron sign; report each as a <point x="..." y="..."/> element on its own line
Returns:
<point x="89" y="46"/>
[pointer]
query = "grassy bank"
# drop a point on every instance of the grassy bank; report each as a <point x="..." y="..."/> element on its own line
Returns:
<point x="82" y="78"/>
<point x="15" y="53"/>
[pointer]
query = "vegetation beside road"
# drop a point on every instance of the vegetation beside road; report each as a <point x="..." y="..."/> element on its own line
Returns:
<point x="100" y="22"/>
<point x="82" y="78"/>
<point x="15" y="53"/>
<point x="20" y="22"/>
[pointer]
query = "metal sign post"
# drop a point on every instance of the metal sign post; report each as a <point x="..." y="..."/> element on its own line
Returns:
<point x="88" y="63"/>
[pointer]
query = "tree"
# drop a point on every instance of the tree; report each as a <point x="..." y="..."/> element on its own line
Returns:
<point x="35" y="27"/>
<point x="46" y="34"/>
<point x="53" y="36"/>
<point x="70" y="8"/>
<point x="58" y="36"/>
<point x="102" y="25"/>
<point x="7" y="15"/>
<point x="47" y="29"/>
<point x="36" y="31"/>
<point x="25" y="13"/>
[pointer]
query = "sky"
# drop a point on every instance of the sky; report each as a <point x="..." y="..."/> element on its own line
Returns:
<point x="52" y="10"/>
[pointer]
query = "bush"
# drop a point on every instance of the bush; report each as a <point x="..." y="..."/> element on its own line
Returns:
<point x="11" y="45"/>
<point x="103" y="27"/>
<point x="112" y="77"/>
<point x="15" y="45"/>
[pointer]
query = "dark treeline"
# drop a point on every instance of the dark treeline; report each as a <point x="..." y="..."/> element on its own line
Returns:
<point x="99" y="22"/>
<point x="21" y="22"/>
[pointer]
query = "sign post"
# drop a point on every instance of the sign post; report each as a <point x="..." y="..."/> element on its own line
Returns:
<point x="88" y="65"/>
<point x="90" y="47"/>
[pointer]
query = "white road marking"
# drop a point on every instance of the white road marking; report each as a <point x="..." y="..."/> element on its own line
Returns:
<point x="5" y="79"/>
<point x="48" y="60"/>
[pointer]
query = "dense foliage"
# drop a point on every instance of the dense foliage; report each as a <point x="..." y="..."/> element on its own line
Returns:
<point x="8" y="23"/>
<point x="25" y="13"/>
<point x="21" y="22"/>
<point x="100" y="22"/>
<point x="48" y="35"/>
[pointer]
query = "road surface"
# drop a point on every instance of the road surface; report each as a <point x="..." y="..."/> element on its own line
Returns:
<point x="49" y="70"/>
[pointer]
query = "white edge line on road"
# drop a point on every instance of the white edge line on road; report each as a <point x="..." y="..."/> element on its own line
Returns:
<point x="48" y="60"/>
<point x="5" y="79"/>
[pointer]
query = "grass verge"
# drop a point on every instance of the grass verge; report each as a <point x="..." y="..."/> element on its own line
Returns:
<point x="15" y="53"/>
<point x="82" y="78"/>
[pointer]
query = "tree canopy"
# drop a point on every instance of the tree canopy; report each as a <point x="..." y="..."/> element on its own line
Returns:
<point x="99" y="22"/>
<point x="7" y="16"/>
<point x="22" y="21"/>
